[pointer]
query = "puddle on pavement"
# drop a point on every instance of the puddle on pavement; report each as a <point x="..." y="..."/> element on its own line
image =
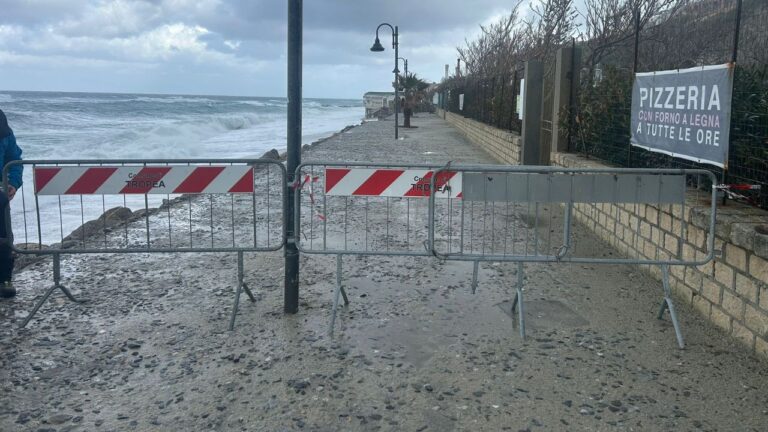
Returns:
<point x="411" y="322"/>
<point x="546" y="314"/>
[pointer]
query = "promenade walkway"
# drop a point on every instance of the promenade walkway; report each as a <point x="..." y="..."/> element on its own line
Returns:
<point x="414" y="351"/>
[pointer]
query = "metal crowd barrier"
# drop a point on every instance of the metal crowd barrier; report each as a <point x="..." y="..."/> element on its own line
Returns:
<point x="181" y="206"/>
<point x="524" y="214"/>
<point x="339" y="199"/>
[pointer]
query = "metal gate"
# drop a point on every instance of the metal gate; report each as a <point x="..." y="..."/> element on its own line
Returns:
<point x="338" y="199"/>
<point x="525" y="214"/>
<point x="521" y="214"/>
<point x="181" y="206"/>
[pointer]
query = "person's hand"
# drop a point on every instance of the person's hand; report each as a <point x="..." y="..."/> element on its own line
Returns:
<point x="11" y="192"/>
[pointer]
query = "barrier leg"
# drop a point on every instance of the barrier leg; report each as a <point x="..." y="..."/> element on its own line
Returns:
<point x="241" y="286"/>
<point x="336" y="294"/>
<point x="338" y="281"/>
<point x="518" y="300"/>
<point x="56" y="285"/>
<point x="667" y="304"/>
<point x="474" y="275"/>
<point x="521" y="310"/>
<point x="344" y="296"/>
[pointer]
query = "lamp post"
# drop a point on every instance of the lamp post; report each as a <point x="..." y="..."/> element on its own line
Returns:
<point x="406" y="107"/>
<point x="405" y="60"/>
<point x="295" y="60"/>
<point x="377" y="47"/>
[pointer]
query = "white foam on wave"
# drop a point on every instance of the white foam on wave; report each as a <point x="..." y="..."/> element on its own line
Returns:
<point x="175" y="99"/>
<point x="255" y="103"/>
<point x="233" y="128"/>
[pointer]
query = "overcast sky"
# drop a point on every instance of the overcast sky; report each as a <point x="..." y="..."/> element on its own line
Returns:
<point x="226" y="47"/>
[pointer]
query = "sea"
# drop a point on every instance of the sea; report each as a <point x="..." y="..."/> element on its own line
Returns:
<point x="57" y="125"/>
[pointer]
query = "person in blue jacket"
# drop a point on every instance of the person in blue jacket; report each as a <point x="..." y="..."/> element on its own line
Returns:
<point x="10" y="152"/>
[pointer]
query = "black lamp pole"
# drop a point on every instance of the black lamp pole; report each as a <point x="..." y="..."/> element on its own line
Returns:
<point x="405" y="60"/>
<point x="377" y="47"/>
<point x="295" y="37"/>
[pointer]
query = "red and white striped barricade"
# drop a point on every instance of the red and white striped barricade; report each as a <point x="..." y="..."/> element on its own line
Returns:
<point x="367" y="209"/>
<point x="143" y="180"/>
<point x="149" y="206"/>
<point x="389" y="182"/>
<point x="373" y="209"/>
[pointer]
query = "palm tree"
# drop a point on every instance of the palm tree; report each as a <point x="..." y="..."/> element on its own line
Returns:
<point x="413" y="88"/>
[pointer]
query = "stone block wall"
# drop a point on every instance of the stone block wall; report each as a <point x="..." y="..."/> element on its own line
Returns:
<point x="504" y="146"/>
<point x="731" y="291"/>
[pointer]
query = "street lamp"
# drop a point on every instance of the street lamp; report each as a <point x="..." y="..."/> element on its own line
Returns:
<point x="377" y="47"/>
<point x="405" y="60"/>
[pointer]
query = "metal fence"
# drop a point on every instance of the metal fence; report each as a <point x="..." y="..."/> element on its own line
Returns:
<point x="491" y="100"/>
<point x="524" y="214"/>
<point x="701" y="32"/>
<point x="149" y="206"/>
<point x="693" y="33"/>
<point x="477" y="213"/>
<point x="339" y="201"/>
<point x="492" y="213"/>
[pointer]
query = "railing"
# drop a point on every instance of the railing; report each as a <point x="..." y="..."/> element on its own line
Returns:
<point x="211" y="205"/>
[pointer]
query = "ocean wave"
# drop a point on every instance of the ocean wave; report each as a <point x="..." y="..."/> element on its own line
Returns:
<point x="64" y="100"/>
<point x="153" y="128"/>
<point x="237" y="122"/>
<point x="175" y="99"/>
<point x="5" y="97"/>
<point x="255" y="103"/>
<point x="205" y="127"/>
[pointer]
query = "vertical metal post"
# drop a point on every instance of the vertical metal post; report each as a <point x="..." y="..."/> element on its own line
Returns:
<point x="735" y="51"/>
<point x="339" y="291"/>
<point x="667" y="304"/>
<point x="734" y="55"/>
<point x="240" y="277"/>
<point x="574" y="82"/>
<point x="634" y="69"/>
<point x="146" y="219"/>
<point x="515" y="94"/>
<point x="566" y="228"/>
<point x="637" y="41"/>
<point x="397" y="83"/>
<point x="518" y="300"/>
<point x="295" y="30"/>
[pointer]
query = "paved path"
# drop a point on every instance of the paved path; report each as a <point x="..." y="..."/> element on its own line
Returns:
<point x="415" y="350"/>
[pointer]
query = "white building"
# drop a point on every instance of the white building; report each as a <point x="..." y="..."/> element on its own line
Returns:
<point x="378" y="103"/>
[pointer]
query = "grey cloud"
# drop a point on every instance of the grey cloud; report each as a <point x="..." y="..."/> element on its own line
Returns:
<point x="245" y="39"/>
<point x="35" y="12"/>
<point x="263" y="19"/>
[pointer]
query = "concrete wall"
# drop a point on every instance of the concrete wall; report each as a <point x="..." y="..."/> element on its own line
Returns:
<point x="731" y="291"/>
<point x="504" y="146"/>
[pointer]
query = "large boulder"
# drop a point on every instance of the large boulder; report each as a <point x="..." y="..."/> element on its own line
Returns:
<point x="23" y="260"/>
<point x="272" y="154"/>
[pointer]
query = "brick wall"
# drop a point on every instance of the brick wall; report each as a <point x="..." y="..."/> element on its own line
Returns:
<point x="731" y="291"/>
<point x="504" y="146"/>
